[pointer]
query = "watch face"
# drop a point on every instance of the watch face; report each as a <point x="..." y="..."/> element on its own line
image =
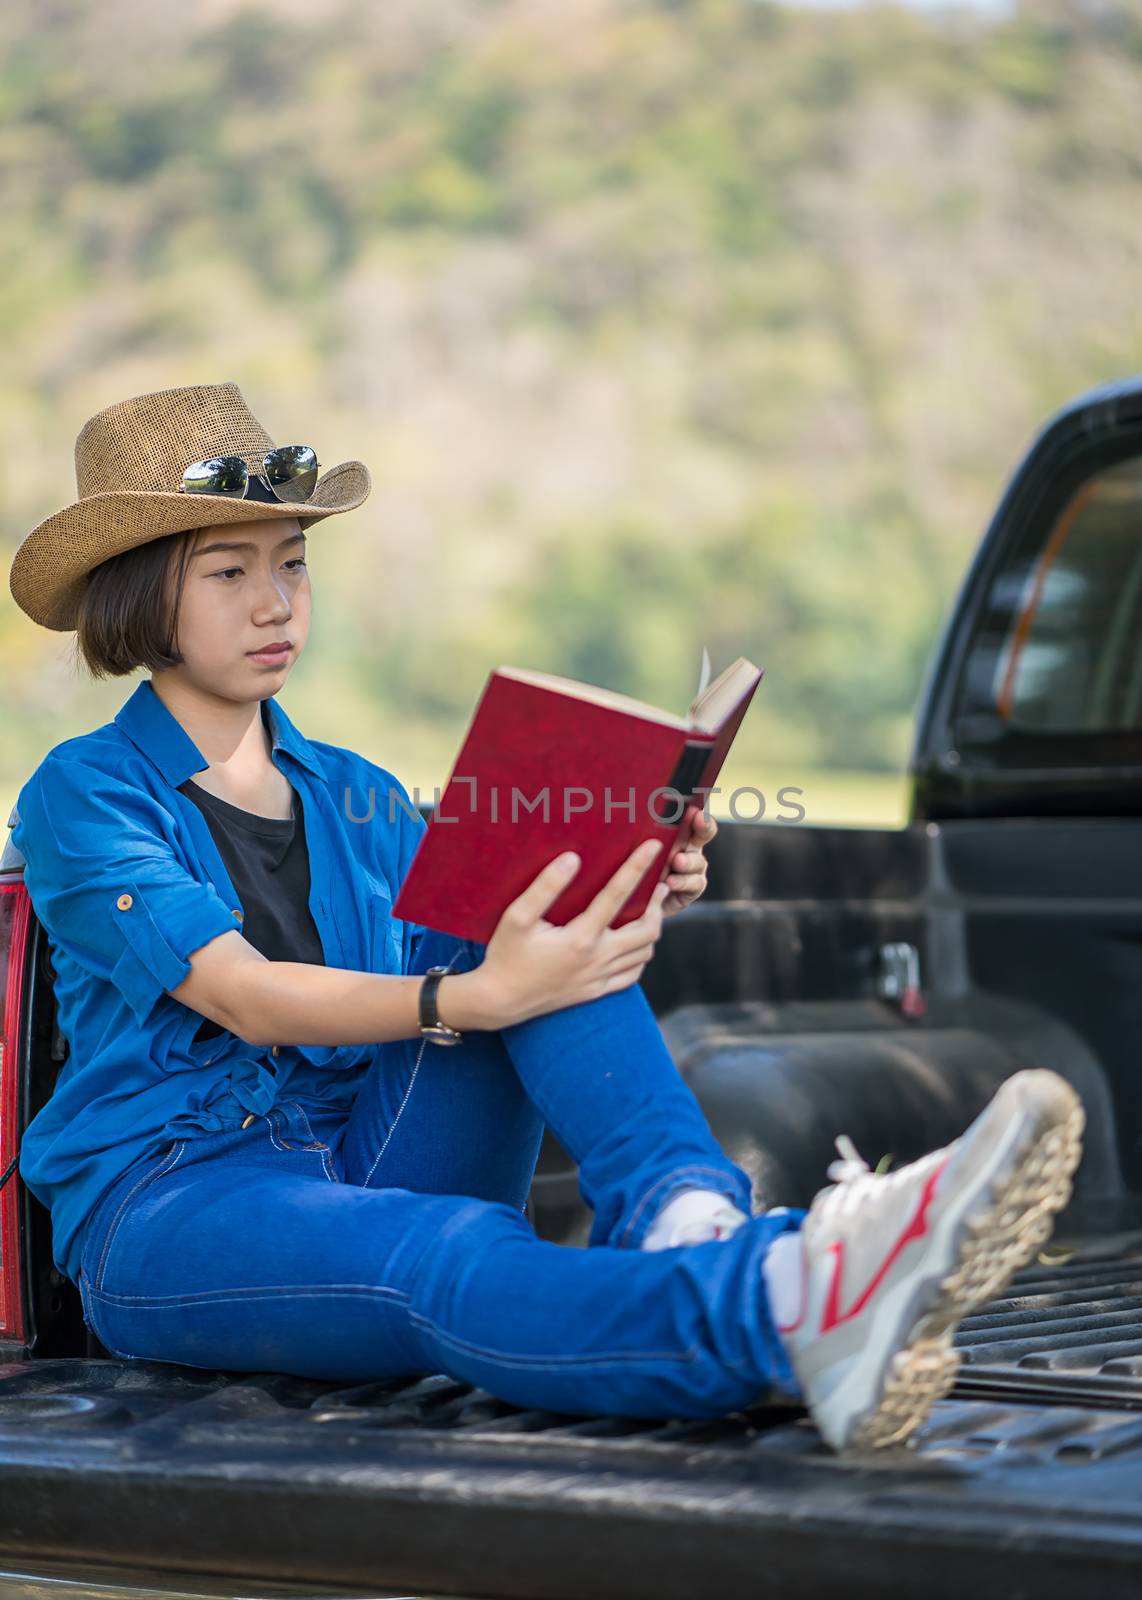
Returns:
<point x="439" y="1034"/>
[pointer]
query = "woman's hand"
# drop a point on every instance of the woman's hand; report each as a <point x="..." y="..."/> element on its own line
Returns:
<point x="532" y="966"/>
<point x="687" y="879"/>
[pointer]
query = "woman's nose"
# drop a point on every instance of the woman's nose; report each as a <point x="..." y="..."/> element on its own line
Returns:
<point x="273" y="592"/>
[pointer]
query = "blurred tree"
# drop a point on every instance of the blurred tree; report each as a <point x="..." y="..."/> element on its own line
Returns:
<point x="698" y="322"/>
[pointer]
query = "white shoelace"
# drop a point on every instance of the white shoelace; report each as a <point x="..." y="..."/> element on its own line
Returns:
<point x="851" y="1163"/>
<point x="855" y="1182"/>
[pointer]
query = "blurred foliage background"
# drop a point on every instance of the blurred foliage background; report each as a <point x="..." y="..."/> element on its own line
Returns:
<point x="659" y="325"/>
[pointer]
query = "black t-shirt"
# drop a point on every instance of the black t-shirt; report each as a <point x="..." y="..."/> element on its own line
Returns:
<point x="267" y="859"/>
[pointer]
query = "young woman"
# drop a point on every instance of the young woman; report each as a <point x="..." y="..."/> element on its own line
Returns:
<point x="258" y="1156"/>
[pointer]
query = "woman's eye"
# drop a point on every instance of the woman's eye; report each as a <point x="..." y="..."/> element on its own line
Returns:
<point x="297" y="561"/>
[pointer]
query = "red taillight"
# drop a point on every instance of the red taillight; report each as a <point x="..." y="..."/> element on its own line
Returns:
<point x="15" y="919"/>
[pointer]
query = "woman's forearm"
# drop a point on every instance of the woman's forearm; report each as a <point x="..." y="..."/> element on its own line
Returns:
<point x="295" y="1002"/>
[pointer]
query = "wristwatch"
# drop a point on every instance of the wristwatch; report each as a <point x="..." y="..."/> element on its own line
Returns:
<point x="431" y="1026"/>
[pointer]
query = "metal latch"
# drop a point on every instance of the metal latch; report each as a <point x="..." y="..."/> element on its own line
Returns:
<point x="899" y="978"/>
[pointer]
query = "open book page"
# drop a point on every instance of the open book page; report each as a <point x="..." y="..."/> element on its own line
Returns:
<point x="713" y="704"/>
<point x="596" y="696"/>
<point x="703" y="677"/>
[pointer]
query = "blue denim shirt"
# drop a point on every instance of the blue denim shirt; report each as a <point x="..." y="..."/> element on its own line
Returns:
<point x="125" y="877"/>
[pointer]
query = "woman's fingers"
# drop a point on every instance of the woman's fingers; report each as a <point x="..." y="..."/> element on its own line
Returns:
<point x="597" y="916"/>
<point x="629" y="959"/>
<point x="622" y="979"/>
<point x="617" y="941"/>
<point x="545" y="888"/>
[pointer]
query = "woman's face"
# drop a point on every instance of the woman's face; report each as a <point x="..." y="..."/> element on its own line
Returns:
<point x="236" y="601"/>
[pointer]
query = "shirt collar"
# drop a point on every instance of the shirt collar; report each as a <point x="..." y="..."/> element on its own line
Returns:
<point x="162" y="738"/>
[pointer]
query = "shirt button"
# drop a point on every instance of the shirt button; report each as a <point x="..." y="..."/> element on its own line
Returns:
<point x="124" y="902"/>
<point x="248" y="1120"/>
<point x="237" y="913"/>
<point x="275" y="1049"/>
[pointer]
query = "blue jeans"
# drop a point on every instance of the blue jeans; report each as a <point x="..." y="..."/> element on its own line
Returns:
<point x="391" y="1240"/>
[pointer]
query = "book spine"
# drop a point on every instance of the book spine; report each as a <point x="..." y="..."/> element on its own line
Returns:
<point x="688" y="770"/>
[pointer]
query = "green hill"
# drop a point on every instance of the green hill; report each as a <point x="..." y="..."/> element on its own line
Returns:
<point x="659" y="325"/>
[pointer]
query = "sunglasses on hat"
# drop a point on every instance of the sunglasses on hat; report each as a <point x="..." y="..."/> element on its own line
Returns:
<point x="288" y="472"/>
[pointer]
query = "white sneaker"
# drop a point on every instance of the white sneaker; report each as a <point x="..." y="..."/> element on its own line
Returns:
<point x="893" y="1262"/>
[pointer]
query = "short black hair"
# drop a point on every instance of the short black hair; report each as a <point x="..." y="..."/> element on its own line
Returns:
<point x="127" y="617"/>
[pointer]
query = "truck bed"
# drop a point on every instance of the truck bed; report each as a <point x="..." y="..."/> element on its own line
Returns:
<point x="432" y="1486"/>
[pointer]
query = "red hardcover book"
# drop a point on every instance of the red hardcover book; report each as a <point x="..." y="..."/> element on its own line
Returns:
<point x="549" y="764"/>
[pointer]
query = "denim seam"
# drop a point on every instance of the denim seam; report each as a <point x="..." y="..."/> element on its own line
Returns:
<point x="278" y="1145"/>
<point x="316" y="1144"/>
<point x="165" y="1163"/>
<point x="159" y="1302"/>
<point x="404" y="1101"/>
<point x="396" y="1119"/>
<point x="669" y="1178"/>
<point x="274" y="1129"/>
<point x="555" y="1362"/>
<point x="296" y="1104"/>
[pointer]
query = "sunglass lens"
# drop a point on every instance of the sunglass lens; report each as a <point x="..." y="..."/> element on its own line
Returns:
<point x="219" y="475"/>
<point x="291" y="471"/>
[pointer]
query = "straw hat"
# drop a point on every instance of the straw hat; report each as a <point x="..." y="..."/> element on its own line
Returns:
<point x="129" y="461"/>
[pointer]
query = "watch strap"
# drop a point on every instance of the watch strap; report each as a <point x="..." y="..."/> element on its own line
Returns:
<point x="429" y="1016"/>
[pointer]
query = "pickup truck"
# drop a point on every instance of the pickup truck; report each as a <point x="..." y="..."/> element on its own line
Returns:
<point x="875" y="981"/>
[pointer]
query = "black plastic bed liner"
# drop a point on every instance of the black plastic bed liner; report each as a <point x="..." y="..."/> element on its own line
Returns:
<point x="436" y="1487"/>
<point x="1071" y="1330"/>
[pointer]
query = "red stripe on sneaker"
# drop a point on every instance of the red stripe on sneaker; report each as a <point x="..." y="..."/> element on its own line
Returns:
<point x="832" y="1315"/>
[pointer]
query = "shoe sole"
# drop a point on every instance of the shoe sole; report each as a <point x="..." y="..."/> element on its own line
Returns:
<point x="992" y="1246"/>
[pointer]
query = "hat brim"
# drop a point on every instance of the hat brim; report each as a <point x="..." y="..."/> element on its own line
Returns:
<point x="50" y="567"/>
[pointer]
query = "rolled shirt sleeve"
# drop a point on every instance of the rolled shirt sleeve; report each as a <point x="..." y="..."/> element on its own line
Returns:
<point x="107" y="881"/>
